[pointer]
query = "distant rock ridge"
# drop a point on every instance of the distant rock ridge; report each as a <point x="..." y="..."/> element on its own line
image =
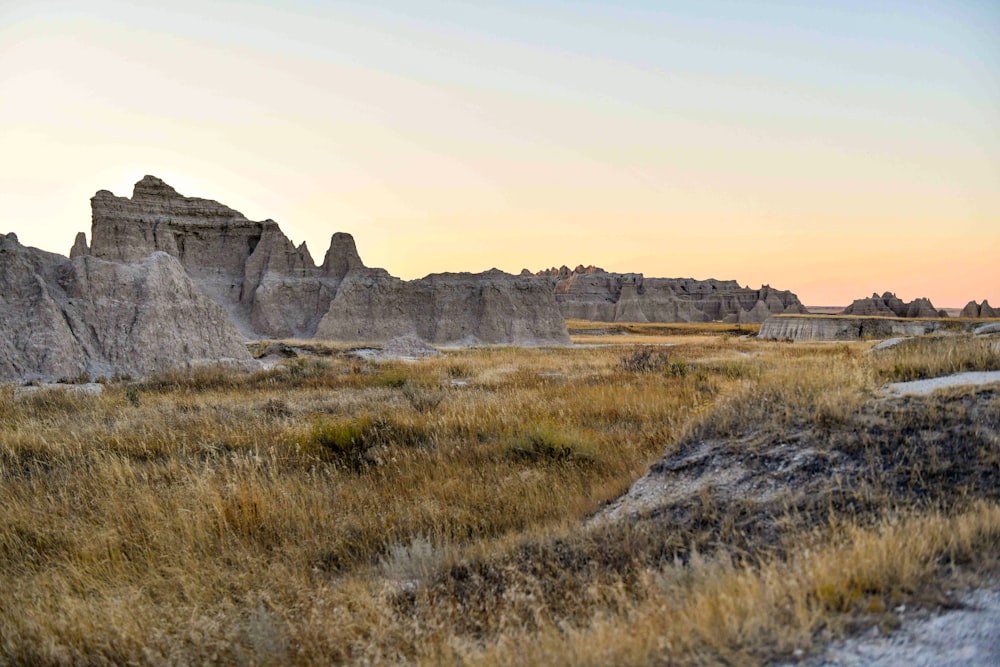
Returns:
<point x="68" y="318"/>
<point x="563" y="271"/>
<point x="889" y="305"/>
<point x="449" y="308"/>
<point x="591" y="293"/>
<point x="271" y="289"/>
<point x="973" y="309"/>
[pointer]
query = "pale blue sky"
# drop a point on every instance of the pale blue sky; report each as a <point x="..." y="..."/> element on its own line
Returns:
<point x="829" y="148"/>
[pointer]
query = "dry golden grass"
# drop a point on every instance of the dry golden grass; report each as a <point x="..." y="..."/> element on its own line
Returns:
<point x="586" y="331"/>
<point x="934" y="356"/>
<point x="712" y="612"/>
<point x="336" y="510"/>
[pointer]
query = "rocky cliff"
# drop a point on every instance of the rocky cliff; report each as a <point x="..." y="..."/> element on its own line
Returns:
<point x="66" y="318"/>
<point x="591" y="293"/>
<point x="463" y="308"/>
<point x="271" y="289"/>
<point x="889" y="305"/>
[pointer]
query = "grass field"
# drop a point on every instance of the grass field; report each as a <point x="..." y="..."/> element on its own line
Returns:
<point x="443" y="511"/>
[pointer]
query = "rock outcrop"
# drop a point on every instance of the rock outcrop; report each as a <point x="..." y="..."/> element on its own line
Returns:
<point x="67" y="318"/>
<point x="835" y="327"/>
<point x="975" y="310"/>
<point x="271" y="289"/>
<point x="456" y="308"/>
<point x="889" y="305"/>
<point x="591" y="293"/>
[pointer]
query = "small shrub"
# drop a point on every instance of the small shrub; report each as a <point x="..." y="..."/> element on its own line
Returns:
<point x="423" y="398"/>
<point x="353" y="442"/>
<point x="304" y="368"/>
<point x="392" y="378"/>
<point x="459" y="371"/>
<point x="735" y="369"/>
<point x="275" y="407"/>
<point x="547" y="443"/>
<point x="417" y="561"/>
<point x="652" y="360"/>
<point x="132" y="395"/>
<point x="345" y="441"/>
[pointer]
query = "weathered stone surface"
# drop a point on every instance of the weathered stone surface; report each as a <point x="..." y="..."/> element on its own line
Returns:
<point x="973" y="309"/>
<point x="79" y="246"/>
<point x="591" y="293"/>
<point x="65" y="318"/>
<point x="812" y="327"/>
<point x="341" y="257"/>
<point x="271" y="289"/>
<point x="35" y="339"/>
<point x="889" y="305"/>
<point x="445" y="308"/>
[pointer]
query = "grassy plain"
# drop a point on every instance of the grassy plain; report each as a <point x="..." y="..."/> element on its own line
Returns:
<point x="438" y="512"/>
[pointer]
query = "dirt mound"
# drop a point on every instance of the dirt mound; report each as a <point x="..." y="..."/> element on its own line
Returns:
<point x="746" y="490"/>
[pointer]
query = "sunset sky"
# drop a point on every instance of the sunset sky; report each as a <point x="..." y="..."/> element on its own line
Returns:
<point x="829" y="148"/>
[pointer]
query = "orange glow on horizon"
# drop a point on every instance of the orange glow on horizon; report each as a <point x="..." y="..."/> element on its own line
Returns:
<point x="831" y="151"/>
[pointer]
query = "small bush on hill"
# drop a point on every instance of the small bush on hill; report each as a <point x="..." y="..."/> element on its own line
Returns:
<point x="652" y="360"/>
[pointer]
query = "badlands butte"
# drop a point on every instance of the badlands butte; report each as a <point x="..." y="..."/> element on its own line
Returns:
<point x="169" y="280"/>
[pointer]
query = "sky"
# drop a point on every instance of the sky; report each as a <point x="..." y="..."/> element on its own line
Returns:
<point x="830" y="148"/>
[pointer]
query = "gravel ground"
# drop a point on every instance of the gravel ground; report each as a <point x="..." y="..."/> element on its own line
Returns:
<point x="968" y="637"/>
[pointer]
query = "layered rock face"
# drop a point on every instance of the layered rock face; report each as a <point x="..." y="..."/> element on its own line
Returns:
<point x="459" y="308"/>
<point x="591" y="293"/>
<point x="789" y="327"/>
<point x="271" y="289"/>
<point x="973" y="309"/>
<point x="66" y="318"/>
<point x="889" y="305"/>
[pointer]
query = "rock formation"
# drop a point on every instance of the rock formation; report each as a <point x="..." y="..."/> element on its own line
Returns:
<point x="591" y="293"/>
<point x="973" y="309"/>
<point x="813" y="327"/>
<point x="271" y="289"/>
<point x="66" y="318"/>
<point x="464" y="308"/>
<point x="889" y="305"/>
